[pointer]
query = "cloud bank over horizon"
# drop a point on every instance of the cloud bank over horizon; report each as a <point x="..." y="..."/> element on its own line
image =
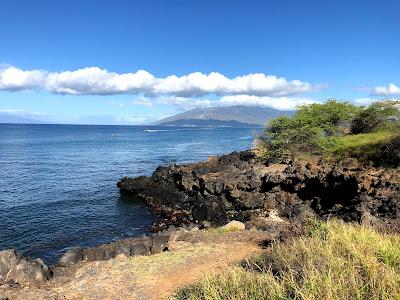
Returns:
<point x="97" y="81"/>
<point x="183" y="104"/>
<point x="185" y="92"/>
<point x="194" y="90"/>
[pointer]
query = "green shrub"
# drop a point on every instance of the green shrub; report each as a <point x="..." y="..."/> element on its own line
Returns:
<point x="305" y="132"/>
<point x="376" y="116"/>
<point x="317" y="228"/>
<point x="389" y="152"/>
<point x="285" y="137"/>
<point x="328" y="116"/>
<point x="335" y="129"/>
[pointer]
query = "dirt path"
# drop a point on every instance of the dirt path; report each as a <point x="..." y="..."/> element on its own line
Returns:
<point x="193" y="264"/>
<point x="144" y="277"/>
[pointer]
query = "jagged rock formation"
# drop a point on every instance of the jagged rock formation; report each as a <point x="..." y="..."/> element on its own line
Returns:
<point x="145" y="245"/>
<point x="17" y="269"/>
<point x="242" y="187"/>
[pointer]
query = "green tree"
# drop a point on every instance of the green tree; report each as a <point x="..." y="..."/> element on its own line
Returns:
<point x="376" y="116"/>
<point x="330" y="117"/>
<point x="306" y="131"/>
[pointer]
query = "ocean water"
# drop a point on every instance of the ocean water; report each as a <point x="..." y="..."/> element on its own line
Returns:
<point x="58" y="182"/>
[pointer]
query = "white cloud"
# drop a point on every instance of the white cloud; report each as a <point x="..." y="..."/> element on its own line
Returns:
<point x="118" y="104"/>
<point x="386" y="91"/>
<point x="281" y="103"/>
<point x="198" y="84"/>
<point x="130" y="120"/>
<point x="22" y="113"/>
<point x="143" y="101"/>
<point x="96" y="81"/>
<point x="185" y="103"/>
<point x="12" y="111"/>
<point x="89" y="81"/>
<point x="363" y="101"/>
<point x="14" y="79"/>
<point x="111" y="119"/>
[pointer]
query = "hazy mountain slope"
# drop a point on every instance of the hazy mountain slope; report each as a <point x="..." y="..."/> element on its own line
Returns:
<point x="208" y="123"/>
<point x="243" y="114"/>
<point x="18" y="119"/>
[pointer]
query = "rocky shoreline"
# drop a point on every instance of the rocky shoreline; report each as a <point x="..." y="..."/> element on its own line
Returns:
<point x="273" y="199"/>
<point x="111" y="271"/>
<point x="17" y="270"/>
<point x="240" y="186"/>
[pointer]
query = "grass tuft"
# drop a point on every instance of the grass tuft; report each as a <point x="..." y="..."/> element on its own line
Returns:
<point x="336" y="261"/>
<point x="221" y="230"/>
<point x="359" y="142"/>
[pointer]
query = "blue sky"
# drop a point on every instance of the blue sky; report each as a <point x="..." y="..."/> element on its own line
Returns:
<point x="78" y="61"/>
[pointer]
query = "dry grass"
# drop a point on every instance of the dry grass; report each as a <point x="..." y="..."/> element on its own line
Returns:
<point x="336" y="261"/>
<point x="149" y="266"/>
<point x="221" y="230"/>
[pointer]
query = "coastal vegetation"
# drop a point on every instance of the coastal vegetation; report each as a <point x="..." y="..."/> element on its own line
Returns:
<point x="331" y="259"/>
<point x="284" y="218"/>
<point x="334" y="260"/>
<point x="335" y="129"/>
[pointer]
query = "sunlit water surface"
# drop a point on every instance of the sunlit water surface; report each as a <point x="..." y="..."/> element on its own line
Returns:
<point x="58" y="182"/>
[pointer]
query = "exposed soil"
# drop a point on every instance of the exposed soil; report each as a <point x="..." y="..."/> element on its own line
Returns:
<point x="148" y="277"/>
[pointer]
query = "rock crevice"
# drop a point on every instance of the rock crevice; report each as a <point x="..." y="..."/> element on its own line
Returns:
<point x="239" y="186"/>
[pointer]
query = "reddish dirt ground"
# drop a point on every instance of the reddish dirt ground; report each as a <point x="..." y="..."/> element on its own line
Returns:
<point x="147" y="277"/>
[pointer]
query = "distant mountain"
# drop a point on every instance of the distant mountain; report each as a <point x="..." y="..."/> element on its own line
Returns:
<point x="225" y="116"/>
<point x="208" y="123"/>
<point x="6" y="117"/>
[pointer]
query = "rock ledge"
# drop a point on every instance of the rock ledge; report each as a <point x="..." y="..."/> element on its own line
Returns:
<point x="241" y="187"/>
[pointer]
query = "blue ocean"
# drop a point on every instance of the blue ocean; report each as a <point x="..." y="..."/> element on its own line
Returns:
<point x="58" y="182"/>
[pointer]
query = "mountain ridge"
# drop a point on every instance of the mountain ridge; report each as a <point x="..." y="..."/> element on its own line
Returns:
<point x="250" y="115"/>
